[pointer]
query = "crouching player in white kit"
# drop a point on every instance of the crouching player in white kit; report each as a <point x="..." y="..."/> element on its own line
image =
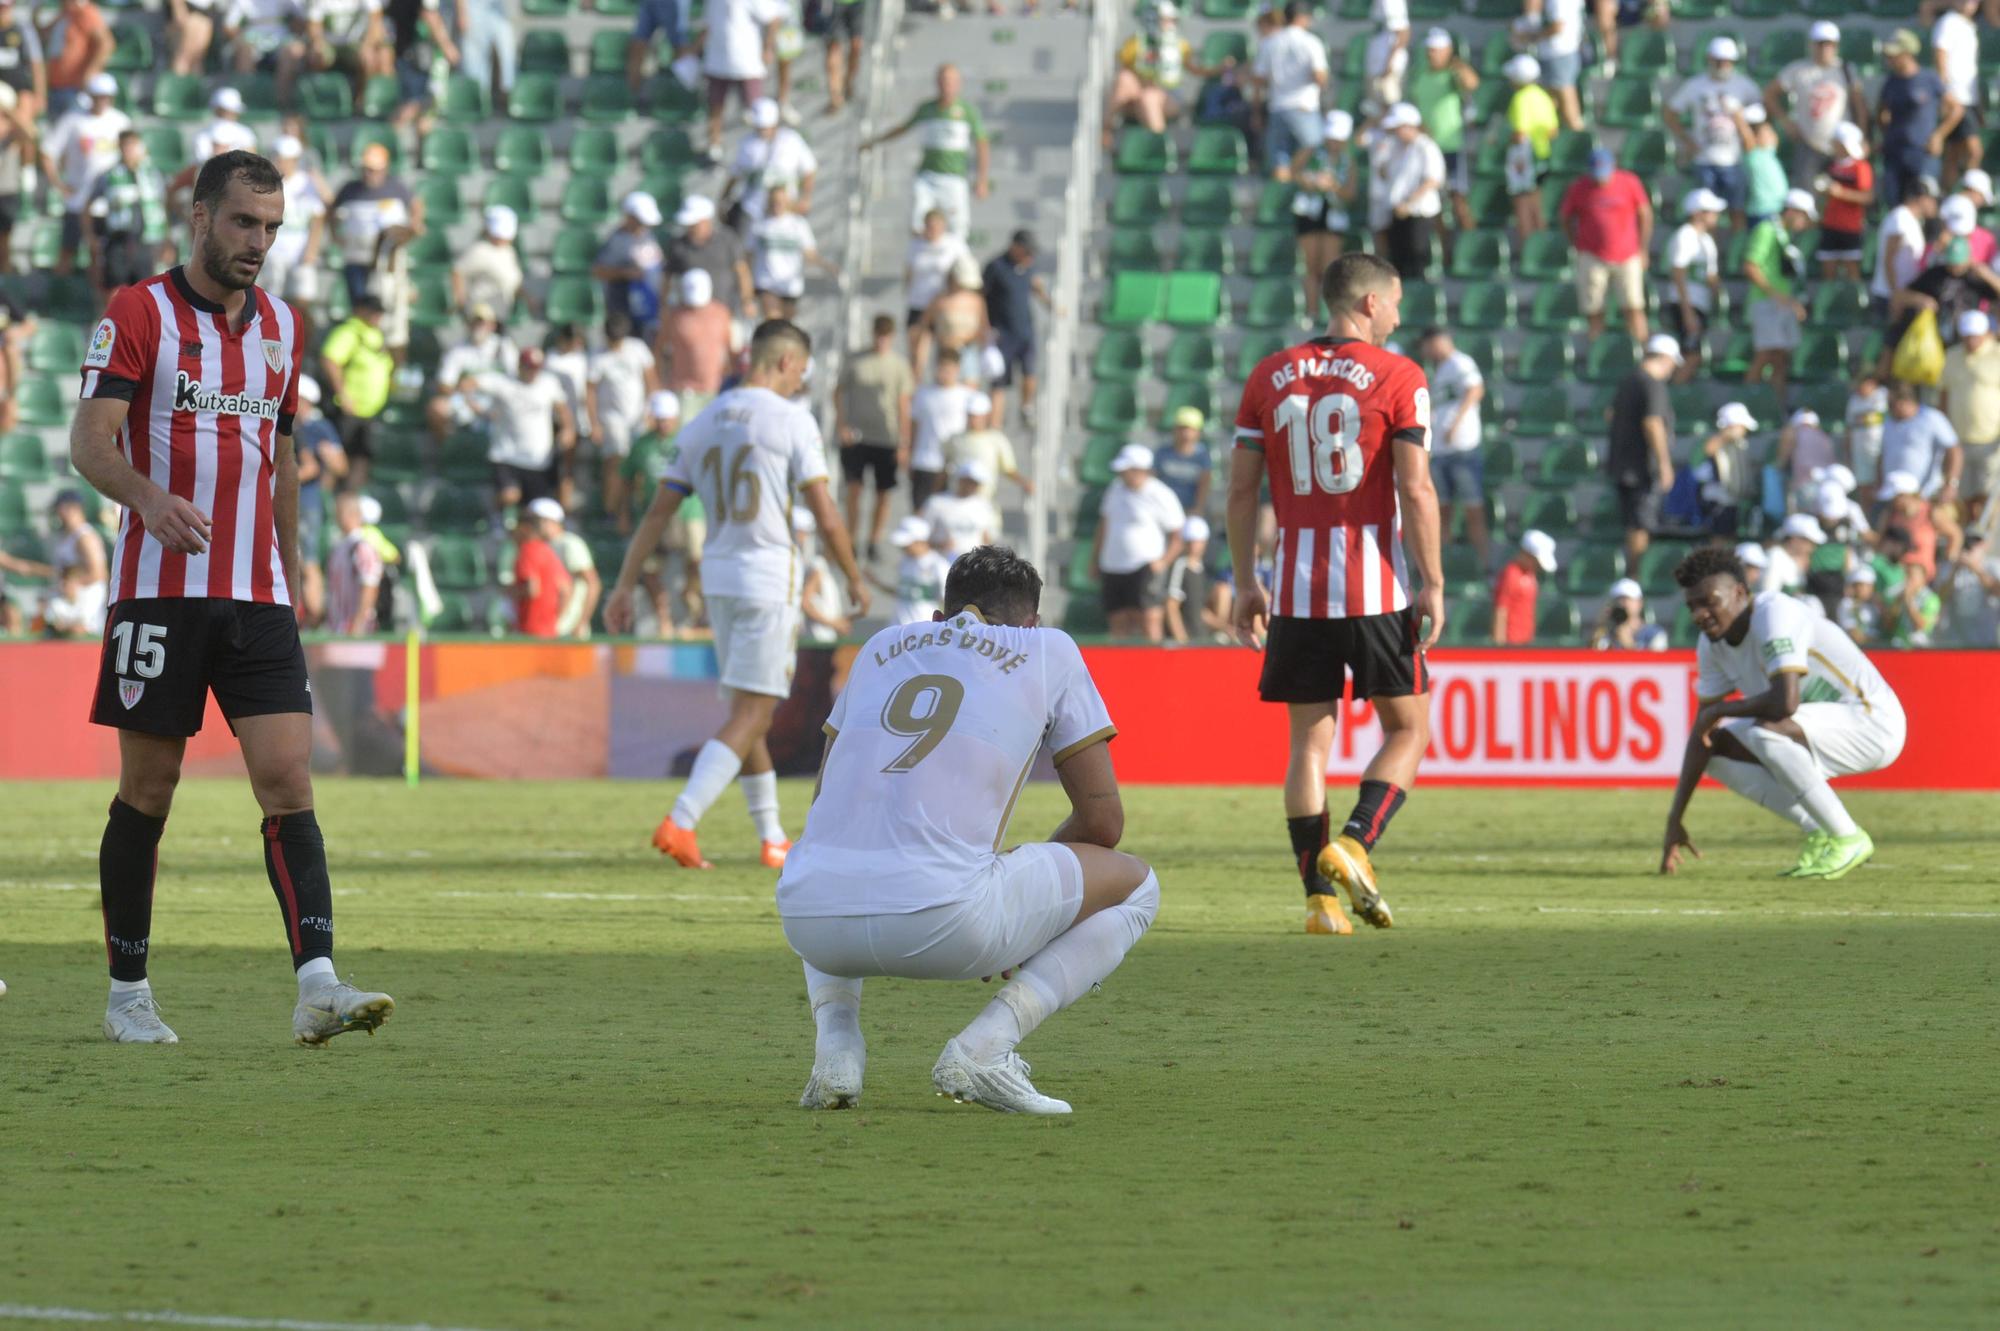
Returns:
<point x="1812" y="707"/>
<point x="900" y="872"/>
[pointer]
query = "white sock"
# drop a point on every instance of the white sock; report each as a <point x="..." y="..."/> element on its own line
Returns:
<point x="1061" y="973"/>
<point x="315" y="975"/>
<point x="760" y="792"/>
<point x="1753" y="783"/>
<point x="128" y="988"/>
<point x="1793" y="764"/>
<point x="714" y="768"/>
<point x="836" y="1007"/>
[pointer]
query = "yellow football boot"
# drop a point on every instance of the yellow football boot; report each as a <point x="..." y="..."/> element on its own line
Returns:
<point x="1344" y="861"/>
<point x="1324" y="915"/>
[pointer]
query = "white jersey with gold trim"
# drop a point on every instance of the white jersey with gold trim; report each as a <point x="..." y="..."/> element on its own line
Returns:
<point x="1787" y="636"/>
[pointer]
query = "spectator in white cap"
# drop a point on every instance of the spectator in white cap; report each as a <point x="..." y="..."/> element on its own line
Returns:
<point x="963" y="518"/>
<point x="1138" y="535"/>
<point x="489" y="270"/>
<point x="1791" y="554"/>
<point x="782" y="244"/>
<point x="716" y="250"/>
<point x="1955" y="51"/>
<point x="694" y="346"/>
<point x="1533" y="121"/>
<point x="1723" y="469"/>
<point x="1859" y="612"/>
<point x="226" y="132"/>
<point x="1899" y="246"/>
<point x="1325" y="184"/>
<point x="984" y="443"/>
<point x="1805" y="449"/>
<point x="771" y="154"/>
<point x="1438" y="88"/>
<point x="1640" y="458"/>
<point x="586" y="587"/>
<point x="1702" y="118"/>
<point x="1969" y="396"/>
<point x="632" y="263"/>
<point x="483" y="350"/>
<point x="1387" y="59"/>
<point x="1848" y="185"/>
<point x="82" y="146"/>
<point x="1622" y="624"/>
<point x="1694" y="268"/>
<point x="1812" y="97"/>
<point x="1412" y="175"/>
<point x="542" y="584"/>
<point x="1764" y="180"/>
<point x="920" y="572"/>
<point x="1960" y="216"/>
<point x="1458" y="466"/>
<point x="1517" y="587"/>
<point x="1187" y="582"/>
<point x="1751" y="555"/>
<point x="291" y="264"/>
<point x="1291" y="67"/>
<point x="1774" y="267"/>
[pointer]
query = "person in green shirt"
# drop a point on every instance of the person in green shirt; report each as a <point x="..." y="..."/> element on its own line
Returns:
<point x="358" y="370"/>
<point x="1914" y="616"/>
<point x="1531" y="112"/>
<point x="1439" y="87"/>
<point x="1773" y="266"/>
<point x="686" y="533"/>
<point x="128" y="219"/>
<point x="1765" y="174"/>
<point x="954" y="144"/>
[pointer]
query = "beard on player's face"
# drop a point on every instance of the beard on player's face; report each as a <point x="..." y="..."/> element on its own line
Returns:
<point x="219" y="262"/>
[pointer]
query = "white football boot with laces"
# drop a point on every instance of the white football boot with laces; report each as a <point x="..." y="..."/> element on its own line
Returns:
<point x="335" y="1009"/>
<point x="1002" y="1084"/>
<point x="136" y="1020"/>
<point x="835" y="1082"/>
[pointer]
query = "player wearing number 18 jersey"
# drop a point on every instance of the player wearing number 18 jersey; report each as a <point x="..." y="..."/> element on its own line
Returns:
<point x="1341" y="429"/>
<point x="189" y="387"/>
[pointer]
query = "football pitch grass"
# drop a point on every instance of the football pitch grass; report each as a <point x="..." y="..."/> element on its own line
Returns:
<point x="1563" y="1092"/>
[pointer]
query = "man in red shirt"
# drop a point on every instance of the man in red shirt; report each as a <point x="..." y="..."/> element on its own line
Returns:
<point x="1850" y="190"/>
<point x="1515" y="590"/>
<point x="1609" y="219"/>
<point x="1342" y="429"/>
<point x="190" y="386"/>
<point x="541" y="580"/>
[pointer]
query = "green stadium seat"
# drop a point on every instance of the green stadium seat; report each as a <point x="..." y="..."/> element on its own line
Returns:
<point x="1196" y="395"/>
<point x="1592" y="569"/>
<point x="1498" y="50"/>
<point x="1133" y="249"/>
<point x="43" y="402"/>
<point x="511" y="191"/>
<point x="463" y="460"/>
<point x="552" y="8"/>
<point x="1556" y="620"/>
<point x="1203" y="250"/>
<point x="439" y="195"/>
<point x="1546" y="257"/>
<point x="322" y="97"/>
<point x="1192" y="300"/>
<point x="1461" y="565"/>
<point x="607" y="98"/>
<point x="1218" y="150"/>
<point x="457" y="563"/>
<point x="1274" y="205"/>
<point x="450" y="149"/>
<point x="1192" y="358"/>
<point x="1821" y="357"/>
<point x="575" y="299"/>
<point x="1141" y="152"/>
<point x="1254" y="348"/>
<point x="260" y="95"/>
<point x="1552" y="513"/>
<point x="1423" y="305"/>
<point x="546" y="51"/>
<point x="593" y="150"/>
<point x="1564" y="463"/>
<point x="1780" y="46"/>
<point x="1480" y="255"/>
<point x="1273" y="302"/>
<point x="1209" y="201"/>
<point x="164" y="148"/>
<point x="1859" y="46"/>
<point x="433" y="249"/>
<point x="134" y="50"/>
<point x="586" y="201"/>
<point x="1555" y="309"/>
<point x="1228" y="10"/>
<point x="1274" y="253"/>
<point x="521" y="150"/>
<point x="454" y="614"/>
<point x="459" y="508"/>
<point x="536" y="99"/>
<point x="1138" y="203"/>
<point x="1226" y="44"/>
<point x="1543" y="412"/>
<point x="1569" y="156"/>
<point x="574" y="250"/>
<point x="1656" y="568"/>
<point x="1480" y="347"/>
<point x="23" y="457"/>
<point x="398" y="456"/>
<point x="1113" y="409"/>
<point x="1646" y="153"/>
<point x="1611" y="358"/>
<point x="607" y="50"/>
<point x="1500" y="462"/>
<point x="464" y="101"/>
<point x="55" y="348"/>
<point x="1840" y="304"/>
<point x="1604" y="522"/>
<point x="1120" y="357"/>
<point x="380" y="97"/>
<point x="1134" y="299"/>
<point x="1489" y="203"/>
<point x="1469" y="623"/>
<point x="366" y="136"/>
<point x="432" y="306"/>
<point x="668" y="150"/>
<point x="1486" y="306"/>
<point x="1646" y="53"/>
<point x="1543" y="358"/>
<point x="15" y="519"/>
<point x="1631" y="103"/>
<point x="1734" y="362"/>
<point x="181" y="97"/>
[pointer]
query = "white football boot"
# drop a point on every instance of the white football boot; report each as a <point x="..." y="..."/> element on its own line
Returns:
<point x="1001" y="1085"/>
<point x="335" y="1009"/>
<point x="136" y="1020"/>
<point x="835" y="1082"/>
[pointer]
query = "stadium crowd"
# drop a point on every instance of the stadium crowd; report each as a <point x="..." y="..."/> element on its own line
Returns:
<point x="1820" y="199"/>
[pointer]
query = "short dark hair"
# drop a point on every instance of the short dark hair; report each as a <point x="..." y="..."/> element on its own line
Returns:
<point x="1902" y="390"/>
<point x="1001" y="585"/>
<point x="1352" y="276"/>
<point x="618" y="325"/>
<point x="218" y="171"/>
<point x="1434" y="330"/>
<point x="125" y="134"/>
<point x="1919" y="187"/>
<point x="1706" y="563"/>
<point x="767" y="343"/>
<point x="885" y="325"/>
<point x="1297" y="10"/>
<point x="1024" y="239"/>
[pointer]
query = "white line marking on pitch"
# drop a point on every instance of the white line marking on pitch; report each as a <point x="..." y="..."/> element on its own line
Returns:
<point x="25" y="1313"/>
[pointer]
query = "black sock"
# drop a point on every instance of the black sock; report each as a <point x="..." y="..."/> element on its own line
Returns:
<point x="1308" y="840"/>
<point x="127" y="860"/>
<point x="1372" y="812"/>
<point x="295" y="859"/>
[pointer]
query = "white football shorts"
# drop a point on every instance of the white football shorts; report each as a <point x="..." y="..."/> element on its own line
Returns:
<point x="1021" y="901"/>
<point x="1848" y="738"/>
<point x="756" y="644"/>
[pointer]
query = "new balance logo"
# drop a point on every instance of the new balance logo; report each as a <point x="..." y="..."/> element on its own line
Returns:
<point x="189" y="395"/>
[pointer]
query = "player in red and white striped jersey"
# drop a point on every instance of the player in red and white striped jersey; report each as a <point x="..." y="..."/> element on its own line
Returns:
<point x="1341" y="427"/>
<point x="189" y="387"/>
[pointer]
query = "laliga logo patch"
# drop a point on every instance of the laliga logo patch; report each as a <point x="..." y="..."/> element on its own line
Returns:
<point x="129" y="691"/>
<point x="274" y="356"/>
<point x="99" y="354"/>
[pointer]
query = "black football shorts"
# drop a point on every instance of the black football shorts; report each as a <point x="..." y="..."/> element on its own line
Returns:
<point x="1308" y="660"/>
<point x="164" y="655"/>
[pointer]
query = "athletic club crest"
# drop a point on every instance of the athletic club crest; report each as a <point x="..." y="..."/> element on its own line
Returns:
<point x="274" y="356"/>
<point x="129" y="691"/>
